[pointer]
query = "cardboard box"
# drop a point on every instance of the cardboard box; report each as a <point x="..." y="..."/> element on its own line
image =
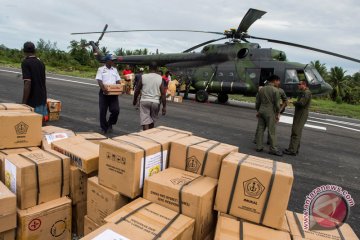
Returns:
<point x="20" y="129"/>
<point x="5" y="152"/>
<point x="148" y="221"/>
<point x="102" y="201"/>
<point x="84" y="154"/>
<point x="231" y="229"/>
<point x="198" y="195"/>
<point x="78" y="184"/>
<point x="296" y="224"/>
<point x="8" y="235"/>
<point x="54" y="116"/>
<point x="121" y="163"/>
<point x="78" y="214"/>
<point x="254" y="189"/>
<point x="115" y="89"/>
<point x="37" y="177"/>
<point x="169" y="98"/>
<point x="7" y="209"/>
<point x="50" y="221"/>
<point x="89" y="225"/>
<point x="15" y="107"/>
<point x="92" y="137"/>
<point x="199" y="155"/>
<point x="53" y="105"/>
<point x="178" y="99"/>
<point x="52" y="134"/>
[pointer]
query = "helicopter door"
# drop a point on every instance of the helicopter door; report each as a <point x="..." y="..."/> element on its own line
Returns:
<point x="264" y="75"/>
<point x="291" y="81"/>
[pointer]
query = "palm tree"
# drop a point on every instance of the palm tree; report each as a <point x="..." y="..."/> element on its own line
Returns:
<point x="339" y="81"/>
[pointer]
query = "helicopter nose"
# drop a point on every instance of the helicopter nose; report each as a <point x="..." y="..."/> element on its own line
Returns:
<point x="326" y="88"/>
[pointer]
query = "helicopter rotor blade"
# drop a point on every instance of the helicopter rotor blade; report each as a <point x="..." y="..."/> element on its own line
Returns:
<point x="150" y="30"/>
<point x="306" y="47"/>
<point x="102" y="34"/>
<point x="202" y="44"/>
<point x="250" y="17"/>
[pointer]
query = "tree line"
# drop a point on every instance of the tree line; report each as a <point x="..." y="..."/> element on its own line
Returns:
<point x="81" y="58"/>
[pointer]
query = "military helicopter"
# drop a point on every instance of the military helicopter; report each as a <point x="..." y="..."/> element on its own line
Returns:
<point x="235" y="67"/>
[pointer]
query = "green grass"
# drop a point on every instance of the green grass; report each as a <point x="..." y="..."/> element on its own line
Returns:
<point x="319" y="106"/>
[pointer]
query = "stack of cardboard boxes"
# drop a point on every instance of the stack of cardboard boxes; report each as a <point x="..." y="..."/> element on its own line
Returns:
<point x="54" y="109"/>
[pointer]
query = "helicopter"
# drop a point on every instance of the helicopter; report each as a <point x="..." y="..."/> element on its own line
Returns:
<point x="235" y="67"/>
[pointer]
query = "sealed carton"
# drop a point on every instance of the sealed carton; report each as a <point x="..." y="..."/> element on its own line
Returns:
<point x="197" y="197"/>
<point x="254" y="189"/>
<point x="53" y="105"/>
<point x="78" y="184"/>
<point x="92" y="136"/>
<point x="127" y="160"/>
<point x="8" y="235"/>
<point x="178" y="99"/>
<point x="20" y="129"/>
<point x="89" y="225"/>
<point x="78" y="214"/>
<point x="52" y="134"/>
<point x="7" y="209"/>
<point x="199" y="155"/>
<point x="5" y="152"/>
<point x="296" y="224"/>
<point x="114" y="89"/>
<point x="102" y="201"/>
<point x="37" y="177"/>
<point x="84" y="154"/>
<point x="54" y="116"/>
<point x="50" y="221"/>
<point x="142" y="219"/>
<point x="230" y="228"/>
<point x="15" y="107"/>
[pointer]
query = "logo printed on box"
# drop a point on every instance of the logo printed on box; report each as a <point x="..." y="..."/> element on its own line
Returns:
<point x="115" y="157"/>
<point x="253" y="188"/>
<point x="179" y="181"/>
<point x="34" y="224"/>
<point x="21" y="128"/>
<point x="58" y="228"/>
<point x="192" y="164"/>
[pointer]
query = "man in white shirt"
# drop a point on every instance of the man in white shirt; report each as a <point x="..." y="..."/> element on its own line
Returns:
<point x="152" y="94"/>
<point x="107" y="75"/>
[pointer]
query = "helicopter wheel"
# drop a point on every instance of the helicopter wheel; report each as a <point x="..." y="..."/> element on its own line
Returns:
<point x="223" y="98"/>
<point x="202" y="96"/>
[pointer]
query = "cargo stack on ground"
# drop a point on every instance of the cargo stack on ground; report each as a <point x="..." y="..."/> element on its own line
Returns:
<point x="54" y="109"/>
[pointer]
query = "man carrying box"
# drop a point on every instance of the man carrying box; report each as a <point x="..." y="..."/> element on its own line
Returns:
<point x="107" y="75"/>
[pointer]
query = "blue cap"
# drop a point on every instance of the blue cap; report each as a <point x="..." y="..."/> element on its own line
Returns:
<point x="108" y="57"/>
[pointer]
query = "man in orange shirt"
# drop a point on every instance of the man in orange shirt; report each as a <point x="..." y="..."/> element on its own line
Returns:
<point x="127" y="75"/>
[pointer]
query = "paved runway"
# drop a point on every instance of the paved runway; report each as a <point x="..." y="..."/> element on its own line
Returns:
<point x="329" y="149"/>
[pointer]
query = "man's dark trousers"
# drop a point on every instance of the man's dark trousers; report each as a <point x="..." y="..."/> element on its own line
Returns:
<point x="110" y="102"/>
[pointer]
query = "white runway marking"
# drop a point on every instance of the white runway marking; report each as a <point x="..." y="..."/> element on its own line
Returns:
<point x="289" y="120"/>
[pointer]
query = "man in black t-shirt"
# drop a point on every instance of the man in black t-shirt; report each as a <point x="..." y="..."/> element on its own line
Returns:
<point x="33" y="71"/>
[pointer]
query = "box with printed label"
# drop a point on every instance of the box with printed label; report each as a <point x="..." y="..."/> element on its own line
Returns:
<point x="84" y="154"/>
<point x="127" y="160"/>
<point x="89" y="225"/>
<point x="37" y="177"/>
<point x="188" y="193"/>
<point x="52" y="134"/>
<point x="199" y="155"/>
<point x="78" y="214"/>
<point x="7" y="209"/>
<point x="50" y="221"/>
<point x="8" y="235"/>
<point x="142" y="219"/>
<point x="54" y="116"/>
<point x="114" y="89"/>
<point x="20" y="129"/>
<point x="296" y="224"/>
<point x="228" y="227"/>
<point x="78" y="184"/>
<point x="255" y="189"/>
<point x="92" y="136"/>
<point x="15" y="107"/>
<point x="102" y="201"/>
<point x="5" y="152"/>
<point x="53" y="105"/>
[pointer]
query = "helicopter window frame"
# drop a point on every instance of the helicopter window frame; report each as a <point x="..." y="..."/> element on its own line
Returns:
<point x="242" y="53"/>
<point x="312" y="77"/>
<point x="292" y="76"/>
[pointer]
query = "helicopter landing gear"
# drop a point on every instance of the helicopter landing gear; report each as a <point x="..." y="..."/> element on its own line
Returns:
<point x="202" y="96"/>
<point x="223" y="98"/>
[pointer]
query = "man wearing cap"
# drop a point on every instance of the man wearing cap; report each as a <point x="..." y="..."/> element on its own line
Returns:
<point x="33" y="72"/>
<point x="108" y="75"/>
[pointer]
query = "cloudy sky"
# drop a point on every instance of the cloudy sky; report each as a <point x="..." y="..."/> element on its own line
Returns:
<point x="327" y="24"/>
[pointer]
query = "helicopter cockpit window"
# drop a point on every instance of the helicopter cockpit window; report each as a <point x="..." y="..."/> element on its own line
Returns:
<point x="291" y="76"/>
<point x="312" y="75"/>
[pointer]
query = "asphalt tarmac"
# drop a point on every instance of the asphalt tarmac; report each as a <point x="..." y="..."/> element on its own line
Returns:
<point x="329" y="151"/>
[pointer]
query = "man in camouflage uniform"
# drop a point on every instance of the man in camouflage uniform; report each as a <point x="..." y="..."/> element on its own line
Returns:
<point x="268" y="113"/>
<point x="301" y="114"/>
